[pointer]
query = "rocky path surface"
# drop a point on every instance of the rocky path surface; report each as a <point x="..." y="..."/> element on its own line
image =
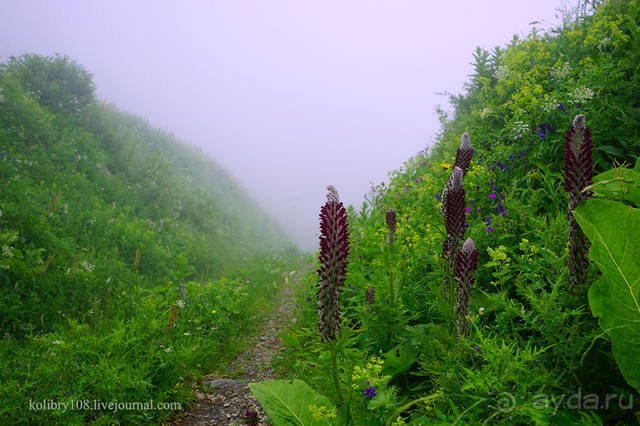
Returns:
<point x="227" y="400"/>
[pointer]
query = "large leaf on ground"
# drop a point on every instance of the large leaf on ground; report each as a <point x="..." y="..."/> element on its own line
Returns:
<point x="614" y="232"/>
<point x="619" y="183"/>
<point x="287" y="402"/>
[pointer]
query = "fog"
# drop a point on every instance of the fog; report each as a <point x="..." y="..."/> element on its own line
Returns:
<point x="289" y="96"/>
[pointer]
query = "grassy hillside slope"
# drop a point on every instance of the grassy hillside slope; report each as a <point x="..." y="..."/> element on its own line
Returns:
<point x="101" y="217"/>
<point x="533" y="344"/>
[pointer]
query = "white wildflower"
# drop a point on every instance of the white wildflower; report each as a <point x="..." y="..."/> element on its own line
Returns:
<point x="180" y="303"/>
<point x="168" y="349"/>
<point x="580" y="95"/>
<point x="57" y="342"/>
<point x="502" y="72"/>
<point x="550" y="105"/>
<point x="7" y="251"/>
<point x="561" y="71"/>
<point x="485" y="112"/>
<point x="87" y="266"/>
<point x="186" y="333"/>
<point x="519" y="129"/>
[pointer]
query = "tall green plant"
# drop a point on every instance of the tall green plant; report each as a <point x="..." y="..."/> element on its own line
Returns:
<point x="614" y="231"/>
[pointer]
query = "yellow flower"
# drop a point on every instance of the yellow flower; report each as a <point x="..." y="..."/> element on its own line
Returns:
<point x="446" y="165"/>
<point x="213" y="312"/>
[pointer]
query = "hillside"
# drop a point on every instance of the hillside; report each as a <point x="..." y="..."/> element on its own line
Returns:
<point x="518" y="343"/>
<point x="101" y="219"/>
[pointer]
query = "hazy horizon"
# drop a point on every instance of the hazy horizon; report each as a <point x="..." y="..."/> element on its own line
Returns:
<point x="289" y="97"/>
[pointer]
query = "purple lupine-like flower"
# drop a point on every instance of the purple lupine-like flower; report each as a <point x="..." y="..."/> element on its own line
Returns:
<point x="438" y="197"/>
<point x="492" y="185"/>
<point x="578" y="173"/>
<point x="371" y="296"/>
<point x="561" y="107"/>
<point x="489" y="229"/>
<point x="477" y="349"/>
<point x="500" y="164"/>
<point x="334" y="249"/>
<point x="467" y="210"/>
<point x="501" y="209"/>
<point x="487" y="220"/>
<point x="466" y="265"/>
<point x="464" y="154"/>
<point x="390" y="219"/>
<point x="370" y="392"/>
<point x="424" y="163"/>
<point x="455" y="218"/>
<point x="492" y="196"/>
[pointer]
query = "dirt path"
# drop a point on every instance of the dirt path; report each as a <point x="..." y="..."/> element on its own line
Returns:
<point x="228" y="401"/>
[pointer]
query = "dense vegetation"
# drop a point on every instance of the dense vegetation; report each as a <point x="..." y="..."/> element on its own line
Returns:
<point x="101" y="219"/>
<point x="534" y="353"/>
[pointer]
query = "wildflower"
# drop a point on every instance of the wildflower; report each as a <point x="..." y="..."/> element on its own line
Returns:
<point x="334" y="249"/>
<point x="424" y="163"/>
<point x="489" y="229"/>
<point x="492" y="196"/>
<point x="438" y="197"/>
<point x="466" y="265"/>
<point x="464" y="154"/>
<point x="492" y="185"/>
<point x="180" y="303"/>
<point x="168" y="349"/>
<point x="390" y="219"/>
<point x="446" y="165"/>
<point x="480" y="311"/>
<point x="371" y="296"/>
<point x="213" y="311"/>
<point x="578" y="171"/>
<point x="477" y="349"/>
<point x="370" y="392"/>
<point x="467" y="210"/>
<point x="487" y="220"/>
<point x="308" y="299"/>
<point x="561" y="107"/>
<point x="455" y="218"/>
<point x="186" y="333"/>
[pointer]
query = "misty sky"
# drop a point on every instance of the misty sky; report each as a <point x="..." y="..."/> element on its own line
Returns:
<point x="289" y="96"/>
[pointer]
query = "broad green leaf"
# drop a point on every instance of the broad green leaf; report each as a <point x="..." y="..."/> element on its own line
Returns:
<point x="288" y="402"/>
<point x="399" y="359"/>
<point x="614" y="232"/>
<point x="619" y="183"/>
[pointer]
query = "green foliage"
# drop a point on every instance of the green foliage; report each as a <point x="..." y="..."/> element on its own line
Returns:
<point x="101" y="217"/>
<point x="531" y="342"/>
<point x="57" y="83"/>
<point x="293" y="403"/>
<point x="613" y="230"/>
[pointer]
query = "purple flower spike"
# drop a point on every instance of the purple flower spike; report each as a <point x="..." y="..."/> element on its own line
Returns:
<point x="334" y="249"/>
<point x="492" y="196"/>
<point x="371" y="296"/>
<point x="489" y="229"/>
<point x="464" y="154"/>
<point x="454" y="201"/>
<point x="466" y="265"/>
<point x="561" y="107"/>
<point x="578" y="173"/>
<point x="391" y="226"/>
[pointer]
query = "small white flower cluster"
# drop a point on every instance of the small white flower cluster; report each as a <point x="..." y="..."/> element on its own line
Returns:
<point x="561" y="72"/>
<point x="502" y="72"/>
<point x="549" y="105"/>
<point x="580" y="95"/>
<point x="180" y="303"/>
<point x="519" y="129"/>
<point x="7" y="251"/>
<point x="87" y="266"/>
<point x="485" y="112"/>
